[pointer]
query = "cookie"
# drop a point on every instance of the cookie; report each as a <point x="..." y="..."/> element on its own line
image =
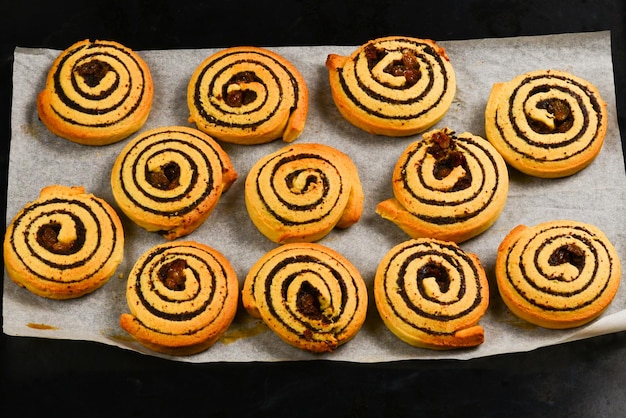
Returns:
<point x="558" y="274"/>
<point x="546" y="123"/>
<point x="96" y="93"/>
<point x="312" y="297"/>
<point x="65" y="244"/>
<point x="182" y="296"/>
<point x="393" y="86"/>
<point x="432" y="294"/>
<point x="302" y="191"/>
<point x="169" y="179"/>
<point x="447" y="186"/>
<point x="248" y="95"/>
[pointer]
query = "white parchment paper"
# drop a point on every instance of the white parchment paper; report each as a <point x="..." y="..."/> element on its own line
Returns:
<point x="596" y="195"/>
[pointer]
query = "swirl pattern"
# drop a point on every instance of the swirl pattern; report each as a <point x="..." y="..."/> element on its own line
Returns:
<point x="301" y="192"/>
<point x="170" y="179"/>
<point x="248" y="95"/>
<point x="559" y="274"/>
<point x="447" y="187"/>
<point x="432" y="294"/>
<point x="308" y="294"/>
<point x="96" y="93"/>
<point x="65" y="244"/>
<point x="546" y="123"/>
<point x="394" y="86"/>
<point x="182" y="296"/>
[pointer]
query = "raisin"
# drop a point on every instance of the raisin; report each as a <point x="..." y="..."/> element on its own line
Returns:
<point x="93" y="71"/>
<point x="173" y="274"/>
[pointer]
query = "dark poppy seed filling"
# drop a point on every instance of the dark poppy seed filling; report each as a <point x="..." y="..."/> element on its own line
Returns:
<point x="436" y="271"/>
<point x="48" y="237"/>
<point x="93" y="71"/>
<point x="561" y="116"/>
<point x="166" y="177"/>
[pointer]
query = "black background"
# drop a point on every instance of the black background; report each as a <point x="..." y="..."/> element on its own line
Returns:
<point x="73" y="378"/>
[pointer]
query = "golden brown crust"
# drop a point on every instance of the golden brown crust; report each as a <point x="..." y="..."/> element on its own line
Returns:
<point x="372" y="97"/>
<point x="182" y="296"/>
<point x="248" y="95"/>
<point x="169" y="179"/>
<point x="302" y="191"/>
<point x="432" y="294"/>
<point x="451" y="193"/>
<point x="65" y="244"/>
<point x="312" y="297"/>
<point x="558" y="274"/>
<point x="546" y="123"/>
<point x="96" y="93"/>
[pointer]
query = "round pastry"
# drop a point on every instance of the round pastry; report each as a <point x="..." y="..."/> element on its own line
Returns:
<point x="182" y="296"/>
<point x="394" y="86"/>
<point x="559" y="274"/>
<point x="546" y="123"/>
<point x="301" y="192"/>
<point x="96" y="93"/>
<point x="248" y="95"/>
<point x="447" y="186"/>
<point x="432" y="294"/>
<point x="170" y="179"/>
<point x="65" y="244"/>
<point x="312" y="297"/>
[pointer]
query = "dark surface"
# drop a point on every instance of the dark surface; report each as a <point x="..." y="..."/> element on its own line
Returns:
<point x="63" y="378"/>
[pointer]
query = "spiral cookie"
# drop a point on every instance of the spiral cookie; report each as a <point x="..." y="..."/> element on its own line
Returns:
<point x="394" y="86"/>
<point x="432" y="294"/>
<point x="559" y="274"/>
<point x="170" y="179"/>
<point x="447" y="187"/>
<point x="546" y="123"/>
<point x="248" y="95"/>
<point x="301" y="192"/>
<point x="96" y="93"/>
<point x="65" y="244"/>
<point x="182" y="296"/>
<point x="308" y="294"/>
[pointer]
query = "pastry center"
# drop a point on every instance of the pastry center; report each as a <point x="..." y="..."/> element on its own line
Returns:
<point x="173" y="274"/>
<point x="166" y="177"/>
<point x="51" y="238"/>
<point x="407" y="66"/>
<point x="302" y="181"/>
<point x="235" y="92"/>
<point x="551" y="116"/>
<point x="568" y="254"/>
<point x="448" y="158"/>
<point x="308" y="302"/>
<point x="93" y="72"/>
<point x="434" y="271"/>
